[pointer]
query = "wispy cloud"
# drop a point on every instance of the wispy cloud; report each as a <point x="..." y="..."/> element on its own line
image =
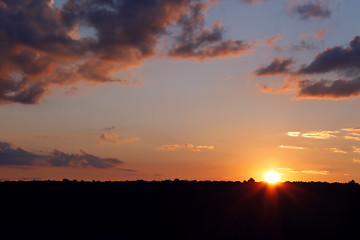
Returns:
<point x="337" y="150"/>
<point x="355" y="160"/>
<point x="320" y="135"/>
<point x="307" y="40"/>
<point x="16" y="156"/>
<point x="319" y="172"/>
<point x="291" y="147"/>
<point x="320" y="34"/>
<point x="293" y="134"/>
<point x="189" y="147"/>
<point x="113" y="138"/>
<point x="314" y="134"/>
<point x="351" y="129"/>
<point x="310" y="171"/>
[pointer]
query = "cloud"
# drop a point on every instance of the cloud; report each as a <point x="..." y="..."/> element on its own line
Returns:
<point x="271" y="41"/>
<point x="293" y="134"/>
<point x="351" y="129"/>
<point x="252" y="2"/>
<point x="304" y="44"/>
<point x="314" y="134"/>
<point x="292" y="85"/>
<point x="356" y="150"/>
<point x="320" y="34"/>
<point x="291" y="147"/>
<point x="352" y="138"/>
<point x="319" y="172"/>
<point x="337" y="58"/>
<point x="356" y="160"/>
<point x="343" y="60"/>
<point x="337" y="150"/>
<point x="340" y="59"/>
<point x="338" y="89"/>
<point x="320" y="135"/>
<point x="306" y="40"/>
<point x="189" y="147"/>
<point x="195" y="41"/>
<point x="41" y="46"/>
<point x="113" y="138"/>
<point x="312" y="10"/>
<point x="16" y="156"/>
<point x="277" y="66"/>
<point x="290" y="170"/>
<point x="109" y="128"/>
<point x="82" y="160"/>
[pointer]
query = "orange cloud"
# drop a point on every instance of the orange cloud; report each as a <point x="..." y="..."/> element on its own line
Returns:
<point x="190" y="147"/>
<point x="271" y="41"/>
<point x="320" y="34"/>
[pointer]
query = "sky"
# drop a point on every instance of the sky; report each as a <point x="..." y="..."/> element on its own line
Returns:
<point x="197" y="90"/>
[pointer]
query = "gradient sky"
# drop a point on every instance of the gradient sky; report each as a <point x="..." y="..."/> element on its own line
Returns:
<point x="155" y="89"/>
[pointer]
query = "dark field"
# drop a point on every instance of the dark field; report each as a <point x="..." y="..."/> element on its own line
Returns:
<point x="178" y="210"/>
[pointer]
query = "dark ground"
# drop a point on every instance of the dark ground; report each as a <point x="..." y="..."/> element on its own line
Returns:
<point x="178" y="210"/>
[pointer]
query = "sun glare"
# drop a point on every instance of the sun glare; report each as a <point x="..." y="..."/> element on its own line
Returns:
<point x="272" y="177"/>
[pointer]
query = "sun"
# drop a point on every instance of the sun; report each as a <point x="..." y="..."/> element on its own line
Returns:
<point x="272" y="177"/>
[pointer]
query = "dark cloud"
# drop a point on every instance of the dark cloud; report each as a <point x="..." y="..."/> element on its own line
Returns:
<point x="277" y="66"/>
<point x="312" y="10"/>
<point x="196" y="41"/>
<point x="82" y="160"/>
<point x="344" y="60"/>
<point x="18" y="157"/>
<point x="15" y="156"/>
<point x="336" y="59"/>
<point x="340" y="88"/>
<point x="41" y="46"/>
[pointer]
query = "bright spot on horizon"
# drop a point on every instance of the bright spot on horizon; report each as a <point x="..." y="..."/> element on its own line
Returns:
<point x="272" y="177"/>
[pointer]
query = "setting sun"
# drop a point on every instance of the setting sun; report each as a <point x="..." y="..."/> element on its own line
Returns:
<point x="272" y="177"/>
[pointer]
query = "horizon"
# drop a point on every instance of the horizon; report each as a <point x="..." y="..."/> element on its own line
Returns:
<point x="215" y="90"/>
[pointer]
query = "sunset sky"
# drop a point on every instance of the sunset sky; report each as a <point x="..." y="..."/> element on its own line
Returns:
<point x="164" y="89"/>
